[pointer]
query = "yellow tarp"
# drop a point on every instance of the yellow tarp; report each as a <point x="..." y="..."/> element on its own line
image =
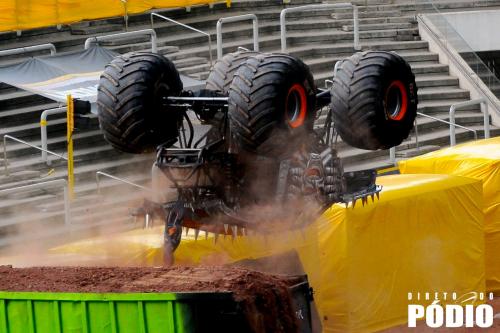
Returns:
<point x="28" y="14"/>
<point x="424" y="235"/>
<point x="479" y="160"/>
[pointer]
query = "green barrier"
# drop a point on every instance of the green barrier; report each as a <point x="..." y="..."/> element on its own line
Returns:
<point x="26" y="312"/>
<point x="187" y="312"/>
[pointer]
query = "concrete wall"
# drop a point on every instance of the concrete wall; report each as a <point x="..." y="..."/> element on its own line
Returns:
<point x="480" y="29"/>
<point x="458" y="66"/>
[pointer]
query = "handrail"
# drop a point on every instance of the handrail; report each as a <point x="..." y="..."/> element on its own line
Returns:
<point x="33" y="48"/>
<point x="238" y="18"/>
<point x="486" y="117"/>
<point x="124" y="181"/>
<point x="452" y="125"/>
<point x="187" y="27"/>
<point x="357" y="45"/>
<point x="392" y="151"/>
<point x="120" y="35"/>
<point x="6" y="163"/>
<point x="55" y="182"/>
<point x="43" y="130"/>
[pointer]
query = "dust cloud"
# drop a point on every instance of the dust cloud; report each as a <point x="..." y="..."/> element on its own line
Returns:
<point x="102" y="230"/>
<point x="97" y="218"/>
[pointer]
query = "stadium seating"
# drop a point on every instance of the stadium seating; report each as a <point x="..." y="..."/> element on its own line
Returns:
<point x="320" y="38"/>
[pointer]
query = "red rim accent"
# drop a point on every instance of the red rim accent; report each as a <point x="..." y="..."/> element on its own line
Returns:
<point x="172" y="231"/>
<point x="301" y="117"/>
<point x="404" y="99"/>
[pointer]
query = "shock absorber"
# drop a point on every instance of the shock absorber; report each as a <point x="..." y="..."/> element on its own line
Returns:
<point x="229" y="180"/>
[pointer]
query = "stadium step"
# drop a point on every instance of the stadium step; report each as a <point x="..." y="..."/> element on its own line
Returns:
<point x="86" y="28"/>
<point x="380" y="26"/>
<point x="17" y="177"/>
<point x="435" y="80"/>
<point x="409" y="153"/>
<point x="433" y="93"/>
<point x="442" y="106"/>
<point x="15" y="99"/>
<point x="383" y="14"/>
<point x="429" y="67"/>
<point x="20" y="115"/>
<point x="319" y="37"/>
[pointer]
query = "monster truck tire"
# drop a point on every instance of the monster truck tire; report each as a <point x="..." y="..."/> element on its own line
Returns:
<point x="222" y="73"/>
<point x="272" y="101"/>
<point x="374" y="100"/>
<point x="129" y="102"/>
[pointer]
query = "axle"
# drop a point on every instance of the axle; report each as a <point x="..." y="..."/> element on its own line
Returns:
<point x="210" y="101"/>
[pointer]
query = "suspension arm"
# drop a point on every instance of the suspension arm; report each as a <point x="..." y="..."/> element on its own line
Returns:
<point x="205" y="103"/>
<point x="323" y="98"/>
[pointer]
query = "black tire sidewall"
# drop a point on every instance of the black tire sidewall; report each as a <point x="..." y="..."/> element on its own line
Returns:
<point x="299" y="75"/>
<point x="265" y="130"/>
<point x="389" y="130"/>
<point x="358" y="100"/>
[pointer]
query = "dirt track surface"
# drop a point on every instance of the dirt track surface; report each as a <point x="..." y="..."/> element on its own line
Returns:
<point x="265" y="298"/>
<point x="137" y="279"/>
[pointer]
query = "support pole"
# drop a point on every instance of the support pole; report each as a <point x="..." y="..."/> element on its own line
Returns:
<point x="69" y="140"/>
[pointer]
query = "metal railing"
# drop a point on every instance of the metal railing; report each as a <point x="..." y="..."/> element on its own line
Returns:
<point x="453" y="125"/>
<point x="187" y="27"/>
<point x="460" y="54"/>
<point x="147" y="32"/>
<point x="125" y="13"/>
<point x="232" y="19"/>
<point x="6" y="161"/>
<point x="43" y="130"/>
<point x="26" y="49"/>
<point x="98" y="174"/>
<point x="51" y="183"/>
<point x="486" y="117"/>
<point x="325" y="6"/>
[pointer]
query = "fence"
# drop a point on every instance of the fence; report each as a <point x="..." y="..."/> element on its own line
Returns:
<point x="153" y="15"/>
<point x="44" y="185"/>
<point x="255" y="23"/>
<point x="29" y="49"/>
<point x="5" y="154"/>
<point x="147" y="32"/>
<point x="325" y="6"/>
<point x="453" y="125"/>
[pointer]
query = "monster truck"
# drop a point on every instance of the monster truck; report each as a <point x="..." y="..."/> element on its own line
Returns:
<point x="261" y="133"/>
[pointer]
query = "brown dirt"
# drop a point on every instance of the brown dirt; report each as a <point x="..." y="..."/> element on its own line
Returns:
<point x="265" y="298"/>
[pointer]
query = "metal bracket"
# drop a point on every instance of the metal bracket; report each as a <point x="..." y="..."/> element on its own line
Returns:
<point x="282" y="179"/>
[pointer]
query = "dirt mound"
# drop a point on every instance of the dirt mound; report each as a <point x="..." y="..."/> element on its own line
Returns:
<point x="265" y="298"/>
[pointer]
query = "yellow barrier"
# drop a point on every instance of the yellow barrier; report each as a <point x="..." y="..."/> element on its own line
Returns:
<point x="424" y="235"/>
<point x="479" y="160"/>
<point x="29" y="14"/>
